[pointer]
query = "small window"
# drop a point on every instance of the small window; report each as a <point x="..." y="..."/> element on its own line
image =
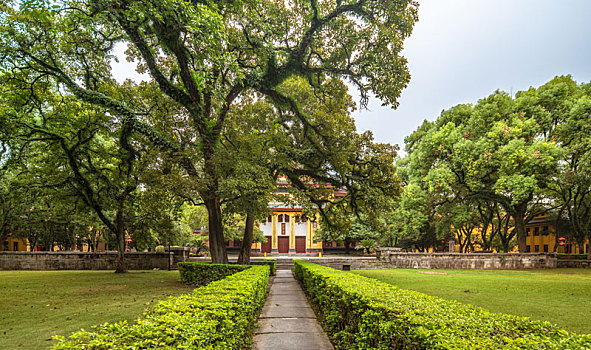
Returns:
<point x="5" y="245"/>
<point x="269" y="218"/>
<point x="545" y="248"/>
<point x="536" y="231"/>
<point x="537" y="248"/>
<point x="297" y="219"/>
<point x="586" y="248"/>
<point x="15" y="246"/>
<point x="527" y="232"/>
<point x="280" y="218"/>
<point x="545" y="230"/>
<point x="527" y="249"/>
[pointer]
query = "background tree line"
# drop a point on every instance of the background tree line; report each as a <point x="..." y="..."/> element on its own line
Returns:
<point x="480" y="172"/>
<point x="240" y="92"/>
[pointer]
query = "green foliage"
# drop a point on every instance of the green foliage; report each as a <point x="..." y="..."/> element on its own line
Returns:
<point x="203" y="59"/>
<point x="193" y="216"/>
<point x="217" y="316"/>
<point x="554" y="295"/>
<point x="367" y="245"/>
<point x="268" y="262"/>
<point x="362" y="313"/>
<point x="499" y="163"/>
<point x="200" y="274"/>
<point x="196" y="242"/>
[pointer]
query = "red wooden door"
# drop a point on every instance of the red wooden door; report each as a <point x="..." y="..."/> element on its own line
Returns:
<point x="283" y="244"/>
<point x="266" y="247"/>
<point x="300" y="244"/>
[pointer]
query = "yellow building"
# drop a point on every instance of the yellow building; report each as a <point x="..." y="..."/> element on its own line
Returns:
<point x="541" y="237"/>
<point x="13" y="244"/>
<point x="288" y="230"/>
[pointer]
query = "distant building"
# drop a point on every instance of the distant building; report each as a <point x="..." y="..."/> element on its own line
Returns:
<point x="14" y="244"/>
<point x="541" y="237"/>
<point x="288" y="230"/>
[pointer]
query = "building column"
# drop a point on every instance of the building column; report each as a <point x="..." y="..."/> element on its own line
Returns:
<point x="308" y="236"/>
<point x="274" y="233"/>
<point x="312" y="248"/>
<point x="292" y="234"/>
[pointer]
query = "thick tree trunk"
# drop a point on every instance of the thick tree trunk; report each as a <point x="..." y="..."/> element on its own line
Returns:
<point x="245" y="249"/>
<point x="120" y="263"/>
<point x="347" y="245"/>
<point x="3" y="237"/>
<point x="520" y="226"/>
<point x="120" y="236"/>
<point x="217" y="245"/>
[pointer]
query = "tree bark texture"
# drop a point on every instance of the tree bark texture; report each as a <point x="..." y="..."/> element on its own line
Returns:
<point x="520" y="226"/>
<point x="217" y="244"/>
<point x="245" y="249"/>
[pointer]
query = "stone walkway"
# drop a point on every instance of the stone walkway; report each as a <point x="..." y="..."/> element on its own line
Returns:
<point x="287" y="320"/>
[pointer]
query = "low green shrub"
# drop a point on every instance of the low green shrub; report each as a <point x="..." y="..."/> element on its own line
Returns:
<point x="202" y="273"/>
<point x="572" y="256"/>
<point x="217" y="316"/>
<point x="271" y="262"/>
<point x="362" y="313"/>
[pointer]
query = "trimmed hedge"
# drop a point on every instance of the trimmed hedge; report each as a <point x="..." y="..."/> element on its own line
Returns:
<point x="363" y="313"/>
<point x="220" y="315"/>
<point x="572" y="256"/>
<point x="202" y="273"/>
<point x="271" y="262"/>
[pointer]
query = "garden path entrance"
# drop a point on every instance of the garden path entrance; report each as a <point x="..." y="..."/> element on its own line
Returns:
<point x="287" y="320"/>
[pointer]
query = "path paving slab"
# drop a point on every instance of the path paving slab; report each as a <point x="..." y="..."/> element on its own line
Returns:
<point x="287" y="321"/>
<point x="289" y="325"/>
<point x="278" y="310"/>
<point x="292" y="341"/>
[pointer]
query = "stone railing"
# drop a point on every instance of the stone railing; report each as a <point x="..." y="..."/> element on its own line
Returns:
<point x="82" y="261"/>
<point x="579" y="264"/>
<point x="483" y="261"/>
<point x="352" y="263"/>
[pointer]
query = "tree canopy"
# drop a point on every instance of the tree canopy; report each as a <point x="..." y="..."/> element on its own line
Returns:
<point x="505" y="159"/>
<point x="204" y="58"/>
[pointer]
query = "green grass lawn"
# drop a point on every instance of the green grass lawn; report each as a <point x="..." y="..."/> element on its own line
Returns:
<point x="561" y="296"/>
<point x="34" y="305"/>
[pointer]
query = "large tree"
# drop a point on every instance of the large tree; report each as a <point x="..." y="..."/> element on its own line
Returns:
<point x="563" y="109"/>
<point x="204" y="56"/>
<point x="72" y="148"/>
<point x="491" y="152"/>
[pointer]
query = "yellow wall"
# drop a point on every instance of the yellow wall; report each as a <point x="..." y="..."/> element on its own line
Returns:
<point x="541" y="240"/>
<point x="310" y="231"/>
<point x="544" y="241"/>
<point x="22" y="245"/>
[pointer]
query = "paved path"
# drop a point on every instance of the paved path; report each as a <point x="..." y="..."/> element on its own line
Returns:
<point x="287" y="321"/>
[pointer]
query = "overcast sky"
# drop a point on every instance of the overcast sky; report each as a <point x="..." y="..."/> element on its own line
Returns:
<point x="463" y="50"/>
